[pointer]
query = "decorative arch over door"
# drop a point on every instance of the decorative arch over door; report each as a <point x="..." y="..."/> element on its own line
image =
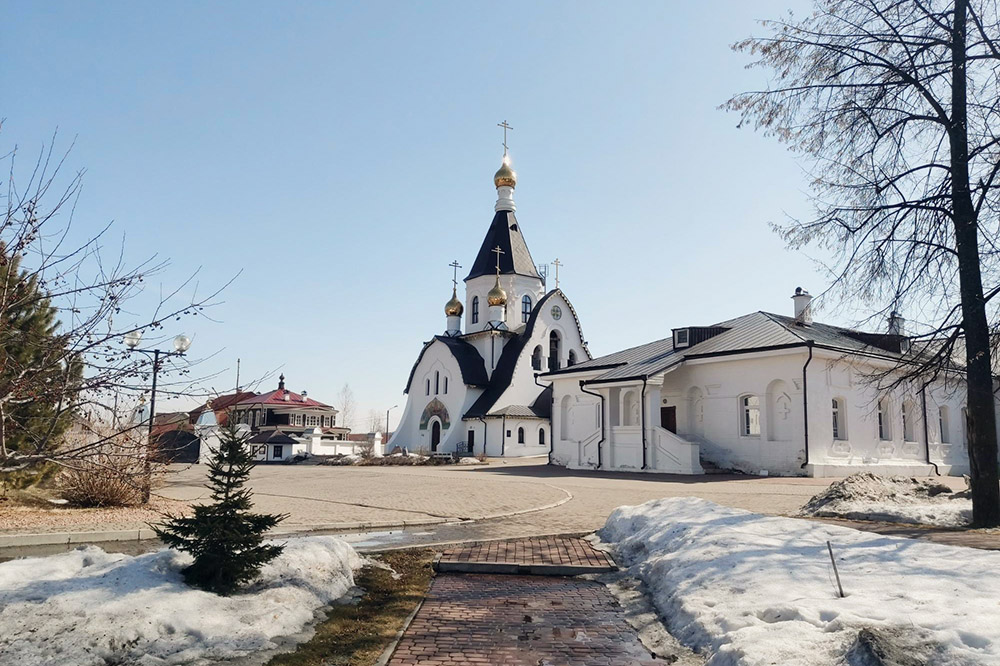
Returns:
<point x="435" y="408"/>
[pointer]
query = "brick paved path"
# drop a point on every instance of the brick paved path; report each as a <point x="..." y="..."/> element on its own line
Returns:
<point x="520" y="621"/>
<point x="540" y="550"/>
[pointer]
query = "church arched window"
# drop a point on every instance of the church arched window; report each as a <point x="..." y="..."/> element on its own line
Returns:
<point x="437" y="382"/>
<point x="525" y="309"/>
<point x="572" y="358"/>
<point x="446" y="384"/>
<point x="428" y="386"/>
<point x="541" y="436"/>
<point x="475" y="309"/>
<point x="554" y="351"/>
<point x="520" y="435"/>
<point x="536" y="358"/>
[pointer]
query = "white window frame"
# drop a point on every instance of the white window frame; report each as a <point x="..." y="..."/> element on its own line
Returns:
<point x="839" y="413"/>
<point x="907" y="413"/>
<point x="749" y="415"/>
<point x="882" y="421"/>
<point x="944" y="424"/>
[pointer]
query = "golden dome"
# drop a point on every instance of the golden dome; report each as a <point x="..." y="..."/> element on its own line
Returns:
<point x="505" y="175"/>
<point x="453" y="308"/>
<point x="497" y="296"/>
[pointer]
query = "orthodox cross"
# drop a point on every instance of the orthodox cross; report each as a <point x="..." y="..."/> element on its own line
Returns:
<point x="498" y="252"/>
<point x="454" y="278"/>
<point x="557" y="264"/>
<point x="505" y="127"/>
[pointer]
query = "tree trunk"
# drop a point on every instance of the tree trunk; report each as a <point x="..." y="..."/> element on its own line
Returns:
<point x="981" y="425"/>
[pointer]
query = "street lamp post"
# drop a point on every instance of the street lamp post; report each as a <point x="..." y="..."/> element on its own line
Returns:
<point x="181" y="344"/>
<point x="387" y="425"/>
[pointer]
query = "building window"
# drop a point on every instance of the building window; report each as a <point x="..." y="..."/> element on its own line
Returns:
<point x="446" y="385"/>
<point x="525" y="309"/>
<point x="553" y="351"/>
<point x="254" y="424"/>
<point x="428" y="386"/>
<point x="908" y="422"/>
<point x="278" y="452"/>
<point x="750" y="417"/>
<point x="536" y="358"/>
<point x="475" y="309"/>
<point x="571" y="360"/>
<point x="437" y="382"/>
<point x="541" y="436"/>
<point x="944" y="425"/>
<point x="520" y="435"/>
<point x="883" y="421"/>
<point x="839" y="419"/>
<point x="333" y="420"/>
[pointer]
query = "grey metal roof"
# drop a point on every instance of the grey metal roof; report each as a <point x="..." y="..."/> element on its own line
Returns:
<point x="750" y="332"/>
<point x="516" y="411"/>
<point x="504" y="232"/>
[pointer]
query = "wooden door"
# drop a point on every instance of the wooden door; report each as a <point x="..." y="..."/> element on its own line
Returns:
<point x="668" y="418"/>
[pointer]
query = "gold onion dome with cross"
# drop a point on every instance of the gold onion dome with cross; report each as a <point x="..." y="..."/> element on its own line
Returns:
<point x="453" y="308"/>
<point x="496" y="295"/>
<point x="505" y="175"/>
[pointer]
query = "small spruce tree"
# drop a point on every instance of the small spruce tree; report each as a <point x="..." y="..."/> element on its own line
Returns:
<point x="225" y="537"/>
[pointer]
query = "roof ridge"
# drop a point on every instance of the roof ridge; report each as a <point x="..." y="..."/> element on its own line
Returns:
<point x="782" y="325"/>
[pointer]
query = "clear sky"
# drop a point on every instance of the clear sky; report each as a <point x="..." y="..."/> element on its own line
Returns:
<point x="341" y="155"/>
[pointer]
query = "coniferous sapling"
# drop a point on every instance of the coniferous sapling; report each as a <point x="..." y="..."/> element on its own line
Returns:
<point x="225" y="537"/>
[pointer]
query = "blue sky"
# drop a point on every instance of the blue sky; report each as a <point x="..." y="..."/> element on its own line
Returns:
<point x="341" y="155"/>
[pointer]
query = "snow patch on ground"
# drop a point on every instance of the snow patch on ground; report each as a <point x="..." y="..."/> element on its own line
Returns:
<point x="88" y="607"/>
<point x="750" y="590"/>
<point x="893" y="499"/>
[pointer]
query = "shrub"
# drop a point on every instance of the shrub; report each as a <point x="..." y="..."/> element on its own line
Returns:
<point x="106" y="478"/>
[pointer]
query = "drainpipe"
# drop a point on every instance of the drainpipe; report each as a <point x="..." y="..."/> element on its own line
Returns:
<point x="927" y="440"/>
<point x="601" y="440"/>
<point x="473" y="451"/>
<point x="552" y="407"/>
<point x="643" y="421"/>
<point x="805" y="402"/>
<point x="503" y="435"/>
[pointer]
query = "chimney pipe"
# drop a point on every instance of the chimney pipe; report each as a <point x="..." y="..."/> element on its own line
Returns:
<point x="803" y="312"/>
<point x="897" y="324"/>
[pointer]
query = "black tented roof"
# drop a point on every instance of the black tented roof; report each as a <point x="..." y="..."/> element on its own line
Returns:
<point x="506" y="233"/>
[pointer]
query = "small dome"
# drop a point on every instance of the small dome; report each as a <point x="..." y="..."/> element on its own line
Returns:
<point x="453" y="308"/>
<point x="497" y="296"/>
<point x="505" y="175"/>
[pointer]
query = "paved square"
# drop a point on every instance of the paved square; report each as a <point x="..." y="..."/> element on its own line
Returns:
<point x="520" y="621"/>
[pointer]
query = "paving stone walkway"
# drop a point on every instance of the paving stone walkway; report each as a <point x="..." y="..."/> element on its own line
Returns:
<point x="553" y="555"/>
<point x="520" y="621"/>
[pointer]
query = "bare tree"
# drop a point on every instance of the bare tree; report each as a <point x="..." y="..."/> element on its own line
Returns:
<point x="347" y="406"/>
<point x="376" y="420"/>
<point x="897" y="104"/>
<point x="79" y="367"/>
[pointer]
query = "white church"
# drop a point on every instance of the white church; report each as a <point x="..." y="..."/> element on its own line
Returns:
<point x="473" y="387"/>
<point x="763" y="393"/>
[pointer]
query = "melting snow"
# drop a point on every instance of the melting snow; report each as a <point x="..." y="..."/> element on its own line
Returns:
<point x="750" y="590"/>
<point x="91" y="607"/>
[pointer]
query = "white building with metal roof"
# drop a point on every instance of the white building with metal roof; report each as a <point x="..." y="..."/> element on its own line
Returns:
<point x="761" y="394"/>
<point x="473" y="388"/>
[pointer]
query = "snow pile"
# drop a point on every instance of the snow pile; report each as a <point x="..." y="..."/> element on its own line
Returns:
<point x="752" y="590"/>
<point x="894" y="499"/>
<point x="90" y="607"/>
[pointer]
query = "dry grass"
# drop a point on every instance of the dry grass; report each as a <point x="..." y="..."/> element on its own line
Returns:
<point x="356" y="635"/>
